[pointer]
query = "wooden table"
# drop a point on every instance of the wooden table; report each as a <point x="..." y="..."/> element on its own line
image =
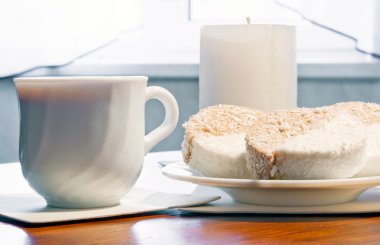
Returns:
<point x="173" y="227"/>
<point x="179" y="228"/>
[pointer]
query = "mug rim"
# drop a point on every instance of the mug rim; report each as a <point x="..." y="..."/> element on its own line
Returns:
<point x="72" y="79"/>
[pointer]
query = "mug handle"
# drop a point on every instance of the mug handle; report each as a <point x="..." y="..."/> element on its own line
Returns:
<point x="171" y="116"/>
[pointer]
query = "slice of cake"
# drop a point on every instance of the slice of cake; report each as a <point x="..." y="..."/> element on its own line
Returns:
<point x="214" y="142"/>
<point x="369" y="115"/>
<point x="320" y="143"/>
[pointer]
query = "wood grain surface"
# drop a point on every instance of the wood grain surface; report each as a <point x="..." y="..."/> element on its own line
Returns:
<point x="186" y="228"/>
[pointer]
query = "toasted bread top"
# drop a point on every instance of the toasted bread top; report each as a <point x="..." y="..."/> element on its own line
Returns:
<point x="274" y="128"/>
<point x="367" y="113"/>
<point x="217" y="120"/>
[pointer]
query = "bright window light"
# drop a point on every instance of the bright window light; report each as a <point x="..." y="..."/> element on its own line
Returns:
<point x="258" y="10"/>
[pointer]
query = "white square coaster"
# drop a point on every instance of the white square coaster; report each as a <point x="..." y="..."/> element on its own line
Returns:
<point x="31" y="208"/>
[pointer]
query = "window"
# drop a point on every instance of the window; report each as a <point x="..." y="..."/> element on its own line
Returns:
<point x="54" y="32"/>
<point x="359" y="19"/>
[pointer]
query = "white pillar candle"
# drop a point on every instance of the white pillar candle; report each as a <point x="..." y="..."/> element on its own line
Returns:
<point x="250" y="65"/>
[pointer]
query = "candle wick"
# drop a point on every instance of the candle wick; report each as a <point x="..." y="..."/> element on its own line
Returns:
<point x="248" y="19"/>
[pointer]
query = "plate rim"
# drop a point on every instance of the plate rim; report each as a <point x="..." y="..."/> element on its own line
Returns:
<point x="253" y="183"/>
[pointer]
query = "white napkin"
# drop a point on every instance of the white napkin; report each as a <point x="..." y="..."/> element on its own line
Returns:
<point x="31" y="208"/>
<point x="152" y="192"/>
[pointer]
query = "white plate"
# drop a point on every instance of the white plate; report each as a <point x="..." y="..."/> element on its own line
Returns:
<point x="367" y="202"/>
<point x="279" y="192"/>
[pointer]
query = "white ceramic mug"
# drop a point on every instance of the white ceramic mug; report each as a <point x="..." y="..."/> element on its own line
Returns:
<point x="82" y="142"/>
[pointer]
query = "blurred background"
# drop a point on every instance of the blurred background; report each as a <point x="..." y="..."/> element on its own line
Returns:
<point x="338" y="44"/>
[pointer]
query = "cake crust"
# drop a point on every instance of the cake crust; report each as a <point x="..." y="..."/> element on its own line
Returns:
<point x="218" y="120"/>
<point x="273" y="129"/>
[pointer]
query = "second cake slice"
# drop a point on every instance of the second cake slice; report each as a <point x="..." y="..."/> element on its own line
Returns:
<point x="318" y="143"/>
